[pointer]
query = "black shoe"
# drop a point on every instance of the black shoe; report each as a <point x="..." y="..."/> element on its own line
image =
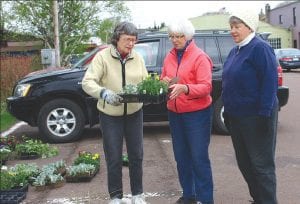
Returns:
<point x="183" y="200"/>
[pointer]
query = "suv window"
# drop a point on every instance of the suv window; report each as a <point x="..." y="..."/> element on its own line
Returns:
<point x="210" y="46"/>
<point x="211" y="49"/>
<point x="226" y="43"/>
<point x="149" y="51"/>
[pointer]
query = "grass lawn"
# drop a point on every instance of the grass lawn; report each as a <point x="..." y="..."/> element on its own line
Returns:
<point x="6" y="119"/>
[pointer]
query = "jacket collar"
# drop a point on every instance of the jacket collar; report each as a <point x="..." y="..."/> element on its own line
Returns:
<point x="115" y="54"/>
<point x="191" y="45"/>
<point x="246" y="40"/>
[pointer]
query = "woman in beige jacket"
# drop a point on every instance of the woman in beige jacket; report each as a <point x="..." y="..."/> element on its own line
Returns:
<point x="110" y="70"/>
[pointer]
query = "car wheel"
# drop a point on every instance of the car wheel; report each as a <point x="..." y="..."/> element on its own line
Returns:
<point x="218" y="120"/>
<point x="61" y="120"/>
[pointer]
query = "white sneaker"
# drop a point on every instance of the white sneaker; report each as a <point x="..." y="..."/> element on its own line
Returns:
<point x="138" y="199"/>
<point x="126" y="201"/>
<point x="115" y="201"/>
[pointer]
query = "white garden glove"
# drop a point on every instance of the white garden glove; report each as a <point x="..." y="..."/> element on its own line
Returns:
<point x="111" y="97"/>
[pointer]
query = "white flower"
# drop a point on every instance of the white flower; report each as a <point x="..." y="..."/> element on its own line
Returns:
<point x="4" y="168"/>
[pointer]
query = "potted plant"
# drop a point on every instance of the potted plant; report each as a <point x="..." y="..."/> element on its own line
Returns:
<point x="32" y="149"/>
<point x="150" y="90"/>
<point x="48" y="177"/>
<point x="24" y="173"/>
<point x="88" y="158"/>
<point x="56" y="180"/>
<point x="80" y="173"/>
<point x="9" y="141"/>
<point x="7" y="194"/>
<point x="16" y="178"/>
<point x="6" y="181"/>
<point x="4" y="154"/>
<point x="60" y="167"/>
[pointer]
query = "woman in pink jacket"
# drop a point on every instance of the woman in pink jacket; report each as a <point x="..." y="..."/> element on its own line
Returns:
<point x="188" y="70"/>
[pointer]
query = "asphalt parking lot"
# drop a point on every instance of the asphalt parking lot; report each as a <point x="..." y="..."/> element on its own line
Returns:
<point x="160" y="176"/>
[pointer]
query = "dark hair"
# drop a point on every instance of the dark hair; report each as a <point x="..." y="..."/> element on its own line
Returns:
<point x="123" y="28"/>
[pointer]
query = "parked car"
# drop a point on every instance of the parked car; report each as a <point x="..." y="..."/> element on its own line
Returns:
<point x="55" y="102"/>
<point x="288" y="58"/>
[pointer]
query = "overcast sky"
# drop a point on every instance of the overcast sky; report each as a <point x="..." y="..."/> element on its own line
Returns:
<point x="145" y="13"/>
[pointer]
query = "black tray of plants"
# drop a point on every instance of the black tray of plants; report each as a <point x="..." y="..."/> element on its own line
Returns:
<point x="81" y="178"/>
<point x="149" y="90"/>
<point x="143" y="98"/>
<point x="28" y="156"/>
<point x="11" y="197"/>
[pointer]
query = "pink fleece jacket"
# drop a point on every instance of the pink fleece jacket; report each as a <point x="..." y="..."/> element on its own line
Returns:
<point x="195" y="70"/>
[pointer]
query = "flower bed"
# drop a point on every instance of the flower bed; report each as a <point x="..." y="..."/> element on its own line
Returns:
<point x="33" y="149"/>
<point x="84" y="167"/>
<point x="4" y="154"/>
<point x="16" y="178"/>
<point x="81" y="172"/>
<point x="50" y="176"/>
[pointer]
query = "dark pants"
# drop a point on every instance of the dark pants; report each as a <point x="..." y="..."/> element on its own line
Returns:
<point x="114" y="129"/>
<point x="254" y="144"/>
<point x="191" y="137"/>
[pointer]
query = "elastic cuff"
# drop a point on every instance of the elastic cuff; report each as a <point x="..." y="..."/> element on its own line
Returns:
<point x="101" y="93"/>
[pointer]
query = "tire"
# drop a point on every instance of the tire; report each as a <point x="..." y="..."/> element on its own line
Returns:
<point x="218" y="120"/>
<point x="61" y="120"/>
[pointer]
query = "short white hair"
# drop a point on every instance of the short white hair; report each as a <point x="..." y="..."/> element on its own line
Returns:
<point x="182" y="26"/>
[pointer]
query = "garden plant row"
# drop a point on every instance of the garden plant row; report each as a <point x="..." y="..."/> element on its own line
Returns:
<point x="14" y="181"/>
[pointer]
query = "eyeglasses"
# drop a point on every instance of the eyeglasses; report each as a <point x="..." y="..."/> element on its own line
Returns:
<point x="128" y="40"/>
<point x="175" y="37"/>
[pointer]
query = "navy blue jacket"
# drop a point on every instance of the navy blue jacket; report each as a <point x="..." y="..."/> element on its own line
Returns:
<point x="250" y="80"/>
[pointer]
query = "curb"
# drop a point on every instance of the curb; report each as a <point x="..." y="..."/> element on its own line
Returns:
<point x="12" y="129"/>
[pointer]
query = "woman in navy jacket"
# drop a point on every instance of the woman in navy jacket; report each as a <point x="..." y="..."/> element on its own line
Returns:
<point x="249" y="85"/>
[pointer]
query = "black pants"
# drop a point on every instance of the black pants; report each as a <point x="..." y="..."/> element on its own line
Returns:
<point x="254" y="143"/>
<point x="114" y="129"/>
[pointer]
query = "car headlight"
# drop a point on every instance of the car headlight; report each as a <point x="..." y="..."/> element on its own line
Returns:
<point x="22" y="90"/>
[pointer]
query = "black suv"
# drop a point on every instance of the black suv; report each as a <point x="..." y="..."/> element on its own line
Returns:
<point x="55" y="102"/>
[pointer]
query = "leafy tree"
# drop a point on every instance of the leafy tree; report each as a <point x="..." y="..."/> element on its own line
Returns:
<point x="78" y="21"/>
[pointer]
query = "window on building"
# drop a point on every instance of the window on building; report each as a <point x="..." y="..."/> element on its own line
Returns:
<point x="275" y="42"/>
<point x="280" y="19"/>
<point x="294" y="16"/>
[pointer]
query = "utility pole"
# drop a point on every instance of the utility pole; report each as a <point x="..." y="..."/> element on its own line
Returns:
<point x="56" y="33"/>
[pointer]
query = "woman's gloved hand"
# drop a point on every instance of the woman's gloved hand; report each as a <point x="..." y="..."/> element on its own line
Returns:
<point x="111" y="97"/>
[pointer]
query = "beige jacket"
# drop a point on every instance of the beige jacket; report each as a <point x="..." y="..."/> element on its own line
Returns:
<point x="105" y="71"/>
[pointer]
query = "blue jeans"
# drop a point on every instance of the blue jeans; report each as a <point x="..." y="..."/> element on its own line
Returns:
<point x="114" y="128"/>
<point x="254" y="141"/>
<point x="191" y="137"/>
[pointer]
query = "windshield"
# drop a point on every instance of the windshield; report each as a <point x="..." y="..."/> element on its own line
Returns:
<point x="85" y="61"/>
<point x="290" y="52"/>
